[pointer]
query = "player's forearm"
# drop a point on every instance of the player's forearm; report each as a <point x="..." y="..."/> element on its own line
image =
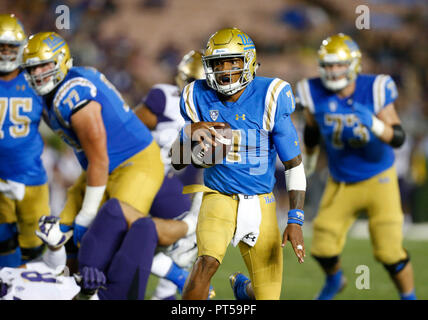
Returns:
<point x="55" y="257"/>
<point x="146" y="116"/>
<point x="97" y="171"/>
<point x="295" y="181"/>
<point x="297" y="199"/>
<point x="390" y="134"/>
<point x="97" y="177"/>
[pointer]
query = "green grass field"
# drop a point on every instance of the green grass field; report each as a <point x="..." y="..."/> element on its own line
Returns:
<point x="302" y="282"/>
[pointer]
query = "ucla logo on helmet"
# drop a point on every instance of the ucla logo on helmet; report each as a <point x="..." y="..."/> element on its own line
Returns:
<point x="53" y="41"/>
<point x="352" y="45"/>
<point x="246" y="41"/>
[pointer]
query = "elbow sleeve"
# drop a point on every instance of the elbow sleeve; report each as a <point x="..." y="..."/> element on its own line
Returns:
<point x="398" y="137"/>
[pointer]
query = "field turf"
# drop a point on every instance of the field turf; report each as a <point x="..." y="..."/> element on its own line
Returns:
<point x="302" y="282"/>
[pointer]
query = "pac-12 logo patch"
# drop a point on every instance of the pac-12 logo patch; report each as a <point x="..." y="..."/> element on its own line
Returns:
<point x="332" y="105"/>
<point x="214" y="114"/>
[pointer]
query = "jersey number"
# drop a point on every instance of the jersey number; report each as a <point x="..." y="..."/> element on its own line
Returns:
<point x="339" y="121"/>
<point x="21" y="123"/>
<point x="233" y="155"/>
<point x="35" y="276"/>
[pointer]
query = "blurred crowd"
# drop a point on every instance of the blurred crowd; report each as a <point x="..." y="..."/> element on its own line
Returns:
<point x="137" y="43"/>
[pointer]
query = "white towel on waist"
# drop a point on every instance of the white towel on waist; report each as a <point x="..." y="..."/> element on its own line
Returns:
<point x="248" y="220"/>
<point x="12" y="189"/>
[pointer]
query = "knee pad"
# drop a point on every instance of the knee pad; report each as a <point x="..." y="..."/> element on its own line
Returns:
<point x="31" y="253"/>
<point x="327" y="263"/>
<point x="8" y="237"/>
<point x="395" y="268"/>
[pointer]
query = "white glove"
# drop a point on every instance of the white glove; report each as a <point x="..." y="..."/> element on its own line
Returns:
<point x="50" y="233"/>
<point x="184" y="252"/>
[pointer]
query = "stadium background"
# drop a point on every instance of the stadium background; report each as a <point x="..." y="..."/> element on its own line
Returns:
<point x="138" y="43"/>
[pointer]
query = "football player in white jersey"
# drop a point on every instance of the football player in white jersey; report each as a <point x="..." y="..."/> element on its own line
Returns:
<point x="160" y="112"/>
<point x="46" y="278"/>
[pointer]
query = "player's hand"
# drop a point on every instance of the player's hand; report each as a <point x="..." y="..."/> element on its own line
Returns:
<point x="90" y="280"/>
<point x="204" y="132"/>
<point x="364" y="114"/>
<point x="293" y="233"/>
<point x="184" y="251"/>
<point x="79" y="231"/>
<point x="50" y="232"/>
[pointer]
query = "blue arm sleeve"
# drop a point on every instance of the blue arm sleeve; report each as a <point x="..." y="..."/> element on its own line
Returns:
<point x="285" y="104"/>
<point x="391" y="92"/>
<point x="285" y="139"/>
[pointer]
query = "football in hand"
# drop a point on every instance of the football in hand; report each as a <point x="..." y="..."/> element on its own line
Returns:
<point x="213" y="154"/>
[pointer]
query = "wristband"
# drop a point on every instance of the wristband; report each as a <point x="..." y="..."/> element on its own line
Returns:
<point x="91" y="201"/>
<point x="296" y="216"/>
<point x="378" y="127"/>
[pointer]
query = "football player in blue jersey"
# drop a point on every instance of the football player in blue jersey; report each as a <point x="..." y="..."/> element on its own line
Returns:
<point x="238" y="205"/>
<point x="355" y="116"/>
<point x="24" y="194"/>
<point x="122" y="167"/>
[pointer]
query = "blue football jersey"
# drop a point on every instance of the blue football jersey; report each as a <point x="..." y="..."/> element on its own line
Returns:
<point x="126" y="134"/>
<point x="21" y="144"/>
<point x="261" y="127"/>
<point x="354" y="152"/>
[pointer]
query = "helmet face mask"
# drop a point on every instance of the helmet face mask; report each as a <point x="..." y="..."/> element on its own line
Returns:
<point x="43" y="50"/>
<point x="228" y="81"/>
<point x="10" y="56"/>
<point x="229" y="44"/>
<point x="339" y="60"/>
<point x="335" y="76"/>
<point x="12" y="42"/>
<point x="45" y="81"/>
